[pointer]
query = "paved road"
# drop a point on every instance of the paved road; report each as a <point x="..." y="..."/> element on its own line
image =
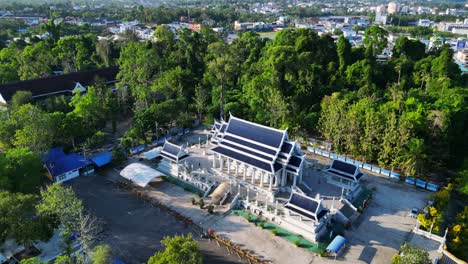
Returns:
<point x="135" y="228"/>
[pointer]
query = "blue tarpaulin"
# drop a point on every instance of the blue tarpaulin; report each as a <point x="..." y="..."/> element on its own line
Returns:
<point x="180" y="132"/>
<point x="102" y="159"/>
<point x="162" y="140"/>
<point x="337" y="244"/>
<point x="169" y="137"/>
<point x="117" y="261"/>
<point x="187" y="130"/>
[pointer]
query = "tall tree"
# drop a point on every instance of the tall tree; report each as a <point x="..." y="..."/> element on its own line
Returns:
<point x="178" y="249"/>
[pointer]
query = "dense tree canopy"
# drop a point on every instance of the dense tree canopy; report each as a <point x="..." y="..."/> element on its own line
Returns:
<point x="178" y="249"/>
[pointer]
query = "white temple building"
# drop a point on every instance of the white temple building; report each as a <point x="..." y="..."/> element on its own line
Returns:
<point x="173" y="156"/>
<point x="257" y="154"/>
<point x="344" y="175"/>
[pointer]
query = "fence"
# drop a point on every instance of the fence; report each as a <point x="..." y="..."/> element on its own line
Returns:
<point x="375" y="169"/>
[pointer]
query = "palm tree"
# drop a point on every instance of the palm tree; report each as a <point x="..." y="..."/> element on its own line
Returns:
<point x="414" y="158"/>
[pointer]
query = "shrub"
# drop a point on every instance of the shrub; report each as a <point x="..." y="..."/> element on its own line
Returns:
<point x="261" y="225"/>
<point x="274" y="232"/>
<point x="297" y="243"/>
<point x="193" y="200"/>
<point x="210" y="208"/>
<point x="201" y="203"/>
<point x="249" y="218"/>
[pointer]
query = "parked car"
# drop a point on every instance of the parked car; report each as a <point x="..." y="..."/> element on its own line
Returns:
<point x="414" y="212"/>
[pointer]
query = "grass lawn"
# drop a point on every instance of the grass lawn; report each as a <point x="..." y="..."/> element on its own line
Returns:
<point x="291" y="237"/>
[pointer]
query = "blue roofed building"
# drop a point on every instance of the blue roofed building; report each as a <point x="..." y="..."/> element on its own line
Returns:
<point x="256" y="154"/>
<point x="63" y="167"/>
<point x="102" y="159"/>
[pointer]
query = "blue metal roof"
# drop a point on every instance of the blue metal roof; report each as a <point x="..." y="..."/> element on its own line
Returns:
<point x="243" y="158"/>
<point x="337" y="244"/>
<point x="255" y="132"/>
<point x="58" y="163"/>
<point x="102" y="158"/>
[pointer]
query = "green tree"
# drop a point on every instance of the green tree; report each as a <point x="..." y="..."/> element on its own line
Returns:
<point x="22" y="170"/>
<point x="34" y="260"/>
<point x="20" y="98"/>
<point x="412" y="255"/>
<point x="61" y="204"/>
<point x="102" y="254"/>
<point x="18" y="219"/>
<point x="375" y="37"/>
<point x="178" y="249"/>
<point x="33" y="128"/>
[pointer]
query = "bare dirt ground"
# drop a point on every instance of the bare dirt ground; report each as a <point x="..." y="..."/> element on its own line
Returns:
<point x="133" y="227"/>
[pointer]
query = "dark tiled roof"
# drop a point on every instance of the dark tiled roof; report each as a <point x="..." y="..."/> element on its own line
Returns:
<point x="322" y="213"/>
<point x="277" y="166"/>
<point x="303" y="202"/>
<point x="61" y="84"/>
<point x="248" y="144"/>
<point x="171" y="149"/>
<point x="223" y="128"/>
<point x="258" y="133"/>
<point x="338" y="173"/>
<point x="339" y="165"/>
<point x="243" y="158"/>
<point x="295" y="161"/>
<point x="286" y="147"/>
<point x="253" y="153"/>
<point x="170" y="157"/>
<point x="311" y="216"/>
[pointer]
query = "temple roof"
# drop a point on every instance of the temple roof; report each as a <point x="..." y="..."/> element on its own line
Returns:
<point x="345" y="170"/>
<point x="263" y="147"/>
<point x="306" y="206"/>
<point x="173" y="152"/>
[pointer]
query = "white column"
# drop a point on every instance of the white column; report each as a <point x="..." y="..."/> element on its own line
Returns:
<point x="237" y="168"/>
<point x="271" y="182"/>
<point x="228" y="166"/>
<point x="253" y="176"/>
<point x="214" y="160"/>
<point x="261" y="178"/>
<point x="294" y="181"/>
<point x="244" y="167"/>
<point x="221" y="161"/>
<point x="283" y="176"/>
<point x="300" y="173"/>
<point x="276" y="179"/>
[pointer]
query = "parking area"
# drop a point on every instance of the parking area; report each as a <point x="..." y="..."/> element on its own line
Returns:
<point x="385" y="224"/>
<point x="133" y="227"/>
